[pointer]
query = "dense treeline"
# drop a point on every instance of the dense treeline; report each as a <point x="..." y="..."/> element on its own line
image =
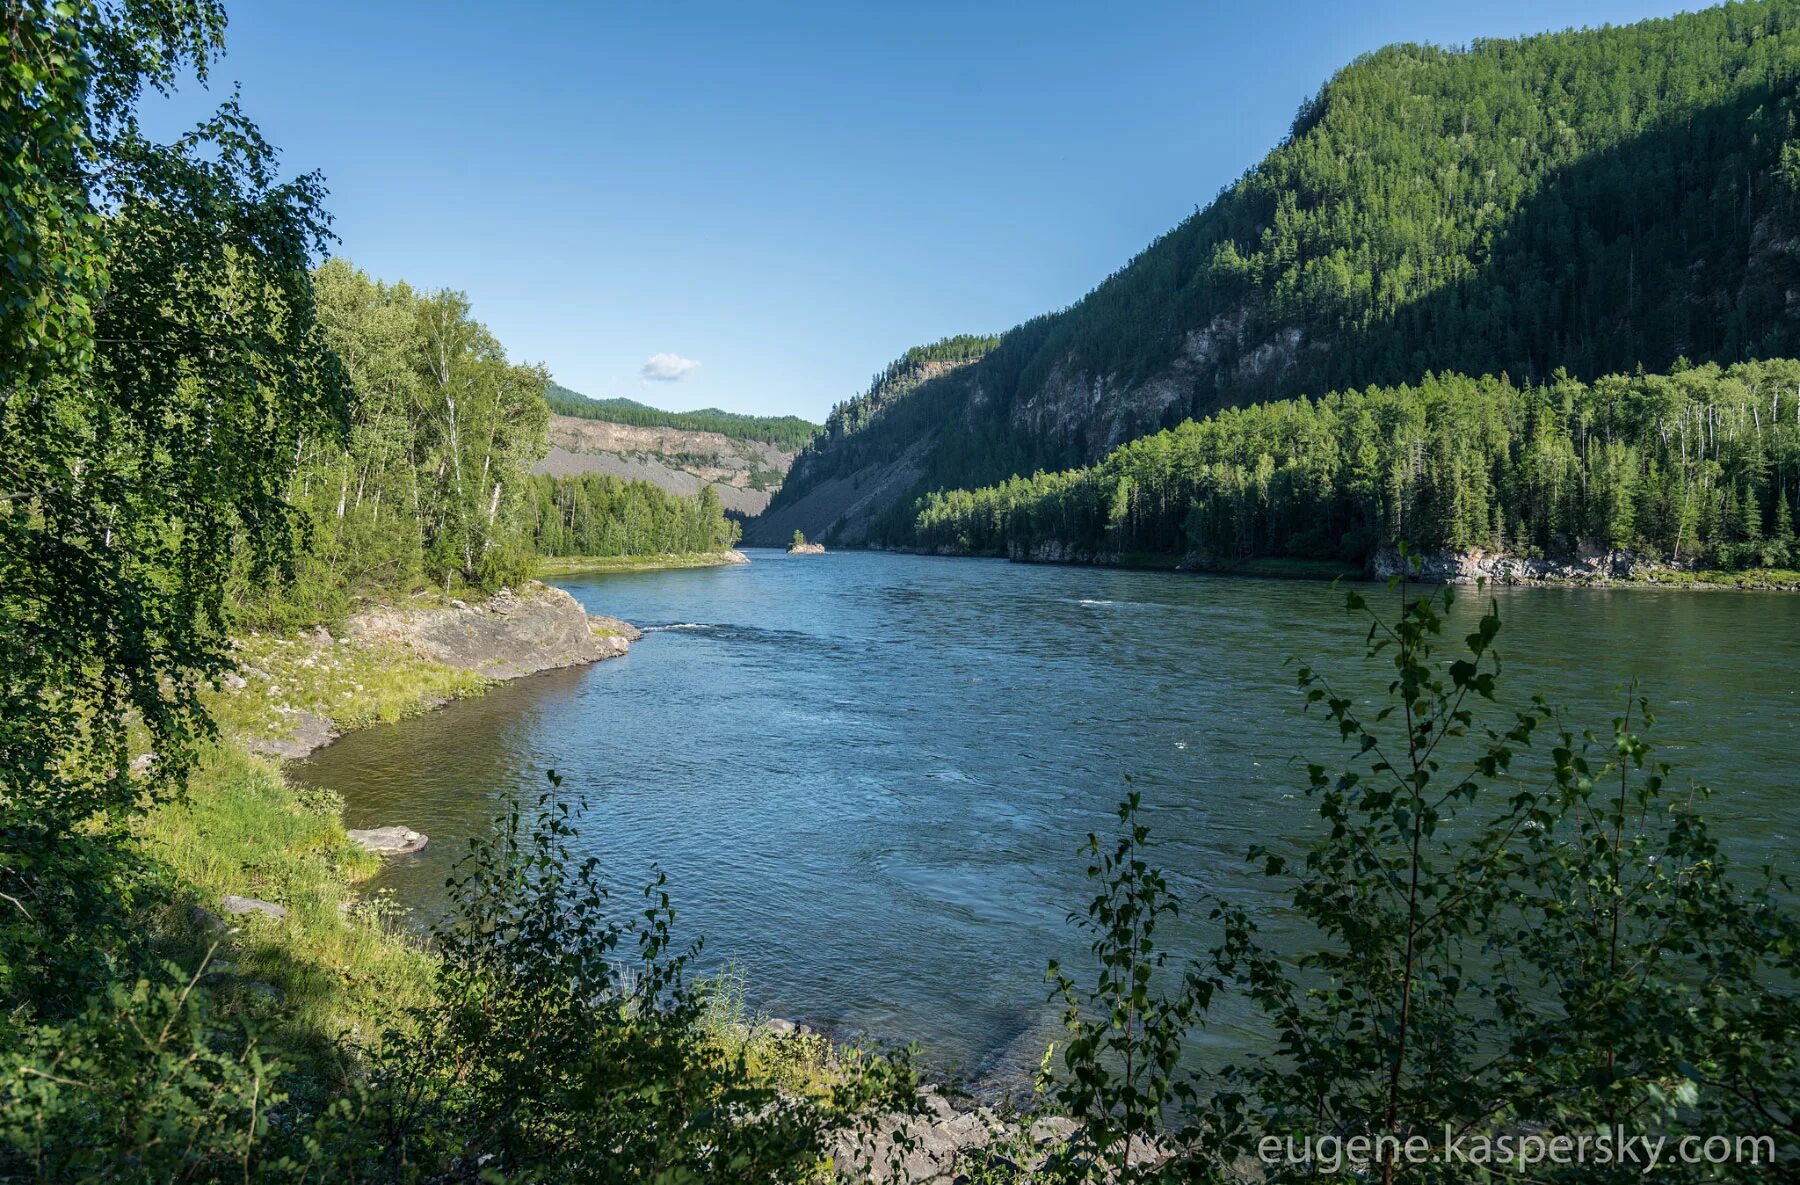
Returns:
<point x="789" y="433"/>
<point x="1590" y="201"/>
<point x="598" y="514"/>
<point x="1702" y="465"/>
<point x="429" y="484"/>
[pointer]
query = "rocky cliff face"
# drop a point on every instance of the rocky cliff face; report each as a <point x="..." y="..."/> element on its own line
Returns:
<point x="744" y="473"/>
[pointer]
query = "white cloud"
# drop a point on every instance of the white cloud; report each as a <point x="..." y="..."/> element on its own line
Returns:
<point x="668" y="368"/>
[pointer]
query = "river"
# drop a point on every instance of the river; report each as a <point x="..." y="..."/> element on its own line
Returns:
<point x="867" y="774"/>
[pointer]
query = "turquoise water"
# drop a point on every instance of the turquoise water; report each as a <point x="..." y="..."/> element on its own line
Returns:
<point x="867" y="775"/>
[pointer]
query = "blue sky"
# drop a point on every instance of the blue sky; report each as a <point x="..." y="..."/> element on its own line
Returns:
<point x="787" y="195"/>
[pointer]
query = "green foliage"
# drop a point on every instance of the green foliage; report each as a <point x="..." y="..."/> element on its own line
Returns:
<point x="1485" y="934"/>
<point x="558" y="1043"/>
<point x="431" y="485"/>
<point x="1590" y="201"/>
<point x="788" y="433"/>
<point x="1679" y="467"/>
<point x="597" y="514"/>
<point x="566" y="1045"/>
<point x="900" y="398"/>
<point x="161" y="364"/>
<point x="1124" y="1036"/>
<point x="799" y="539"/>
<point x="1509" y="940"/>
<point x="144" y="1084"/>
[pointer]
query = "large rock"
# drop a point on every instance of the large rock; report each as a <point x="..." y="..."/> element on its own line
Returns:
<point x="305" y="731"/>
<point x="242" y="905"/>
<point x="806" y="549"/>
<point x="942" y="1141"/>
<point x="512" y="634"/>
<point x="388" y="841"/>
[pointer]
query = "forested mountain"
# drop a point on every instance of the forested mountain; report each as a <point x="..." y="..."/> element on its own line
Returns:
<point x="788" y="433"/>
<point x="909" y="406"/>
<point x="1700" y="465"/>
<point x="1594" y="201"/>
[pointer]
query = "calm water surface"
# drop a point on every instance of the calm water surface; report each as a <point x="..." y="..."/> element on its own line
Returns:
<point x="867" y="774"/>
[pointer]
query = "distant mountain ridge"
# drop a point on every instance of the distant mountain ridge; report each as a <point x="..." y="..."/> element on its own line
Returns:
<point x="788" y="433"/>
<point x="1595" y="200"/>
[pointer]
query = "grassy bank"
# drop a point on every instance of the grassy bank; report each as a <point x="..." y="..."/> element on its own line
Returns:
<point x="342" y="967"/>
<point x="351" y="684"/>
<point x="550" y="567"/>
<point x="336" y="967"/>
<point x="1761" y="579"/>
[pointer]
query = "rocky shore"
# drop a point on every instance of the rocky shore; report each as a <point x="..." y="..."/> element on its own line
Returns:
<point x="1589" y="566"/>
<point x="460" y="646"/>
<point x="511" y="634"/>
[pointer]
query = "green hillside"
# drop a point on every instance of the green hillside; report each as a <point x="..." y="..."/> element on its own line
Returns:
<point x="785" y="432"/>
<point x="1594" y="201"/>
<point x="1697" y="466"/>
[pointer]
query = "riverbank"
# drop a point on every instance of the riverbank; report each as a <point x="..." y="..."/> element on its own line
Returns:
<point x="1590" y="570"/>
<point x="290" y="695"/>
<point x="264" y="878"/>
<point x="550" y="567"/>
<point x="308" y="952"/>
<point x="1587" y="569"/>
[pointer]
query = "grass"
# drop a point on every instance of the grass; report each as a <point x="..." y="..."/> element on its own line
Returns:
<point x="337" y="966"/>
<point x="351" y="684"/>
<point x="339" y="969"/>
<point x="1753" y="578"/>
<point x="334" y="967"/>
<point x="574" y="565"/>
<point x="797" y="1063"/>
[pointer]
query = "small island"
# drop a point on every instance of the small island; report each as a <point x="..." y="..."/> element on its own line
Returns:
<point x="801" y="547"/>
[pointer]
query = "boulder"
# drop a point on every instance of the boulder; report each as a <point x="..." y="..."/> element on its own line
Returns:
<point x="806" y="549"/>
<point x="532" y="628"/>
<point x="388" y="841"/>
<point x="241" y="905"/>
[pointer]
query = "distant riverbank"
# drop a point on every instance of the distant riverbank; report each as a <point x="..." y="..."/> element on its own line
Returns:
<point x="1600" y="570"/>
<point x="550" y="567"/>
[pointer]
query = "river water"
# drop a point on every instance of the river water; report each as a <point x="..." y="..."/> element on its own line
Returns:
<point x="867" y="775"/>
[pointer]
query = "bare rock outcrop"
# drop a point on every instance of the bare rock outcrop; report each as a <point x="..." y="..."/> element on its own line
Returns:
<point x="1588" y="566"/>
<point x="511" y="634"/>
<point x="743" y="473"/>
